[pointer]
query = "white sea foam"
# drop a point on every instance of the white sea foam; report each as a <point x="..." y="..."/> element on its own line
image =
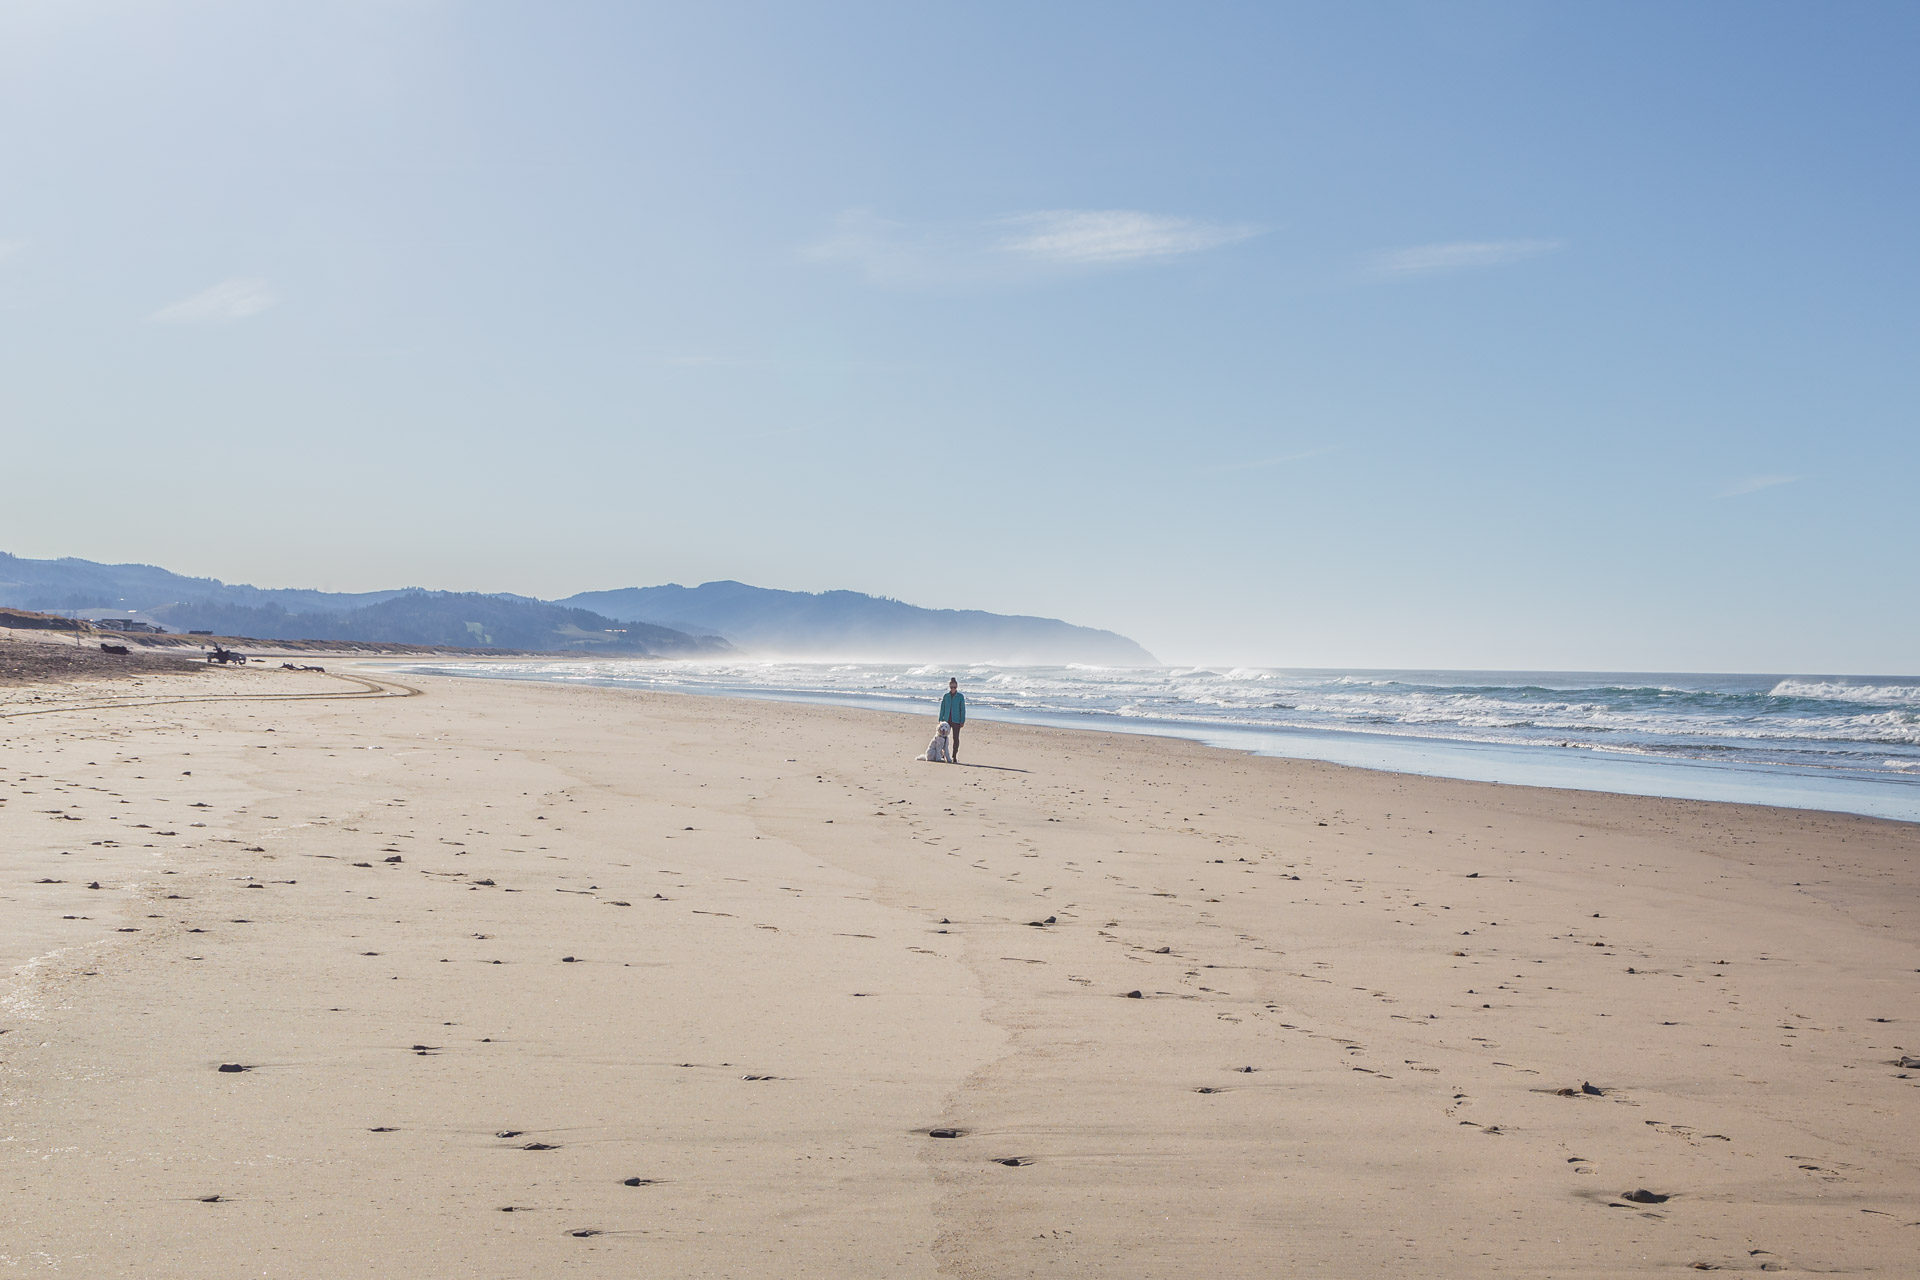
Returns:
<point x="1841" y="691"/>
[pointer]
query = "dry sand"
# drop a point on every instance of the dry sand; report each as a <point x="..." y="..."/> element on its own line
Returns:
<point x="513" y="947"/>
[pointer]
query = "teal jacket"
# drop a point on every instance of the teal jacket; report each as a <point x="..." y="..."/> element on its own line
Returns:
<point x="953" y="709"/>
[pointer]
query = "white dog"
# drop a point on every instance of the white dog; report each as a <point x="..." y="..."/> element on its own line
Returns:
<point x="937" y="749"/>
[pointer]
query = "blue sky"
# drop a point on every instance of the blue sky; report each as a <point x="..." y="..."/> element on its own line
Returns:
<point x="1431" y="334"/>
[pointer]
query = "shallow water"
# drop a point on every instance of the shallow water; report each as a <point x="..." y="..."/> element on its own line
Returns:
<point x="1846" y="743"/>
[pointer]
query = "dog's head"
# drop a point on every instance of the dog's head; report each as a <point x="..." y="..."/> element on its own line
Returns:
<point x="943" y="728"/>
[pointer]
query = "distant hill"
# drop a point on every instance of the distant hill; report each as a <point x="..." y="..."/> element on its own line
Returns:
<point x="669" y="621"/>
<point x="448" y="618"/>
<point x="68" y="583"/>
<point x="405" y="616"/>
<point x="847" y="624"/>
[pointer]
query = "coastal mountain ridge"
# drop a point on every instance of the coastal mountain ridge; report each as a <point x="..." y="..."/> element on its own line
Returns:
<point x="665" y="621"/>
<point x="849" y="624"/>
<point x="458" y="619"/>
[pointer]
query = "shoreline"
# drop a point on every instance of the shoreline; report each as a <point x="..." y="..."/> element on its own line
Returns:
<point x="1662" y="777"/>
<point x="687" y="983"/>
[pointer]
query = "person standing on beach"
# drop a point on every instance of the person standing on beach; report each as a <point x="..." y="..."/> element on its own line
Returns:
<point x="953" y="713"/>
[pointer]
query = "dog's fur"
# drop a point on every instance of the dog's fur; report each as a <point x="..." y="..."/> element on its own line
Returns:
<point x="937" y="749"/>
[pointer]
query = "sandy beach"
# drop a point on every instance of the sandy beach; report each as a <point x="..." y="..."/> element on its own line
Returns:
<point x="354" y="975"/>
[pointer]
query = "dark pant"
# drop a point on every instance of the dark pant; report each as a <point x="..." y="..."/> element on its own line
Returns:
<point x="953" y="746"/>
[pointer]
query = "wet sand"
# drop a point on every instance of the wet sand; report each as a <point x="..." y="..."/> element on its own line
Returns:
<point x="504" y="980"/>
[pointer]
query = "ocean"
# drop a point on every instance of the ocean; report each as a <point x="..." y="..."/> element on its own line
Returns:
<point x="1845" y="743"/>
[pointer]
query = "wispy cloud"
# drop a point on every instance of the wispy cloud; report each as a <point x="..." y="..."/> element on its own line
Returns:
<point x="224" y="303"/>
<point x="1014" y="247"/>
<point x="10" y="247"/>
<point x="1753" y="484"/>
<point x="1106" y="236"/>
<point x="1464" y="255"/>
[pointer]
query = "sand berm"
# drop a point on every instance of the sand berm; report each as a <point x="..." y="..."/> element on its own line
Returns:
<point x="313" y="976"/>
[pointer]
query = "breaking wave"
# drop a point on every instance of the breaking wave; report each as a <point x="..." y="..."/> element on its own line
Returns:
<point x="1847" y="691"/>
